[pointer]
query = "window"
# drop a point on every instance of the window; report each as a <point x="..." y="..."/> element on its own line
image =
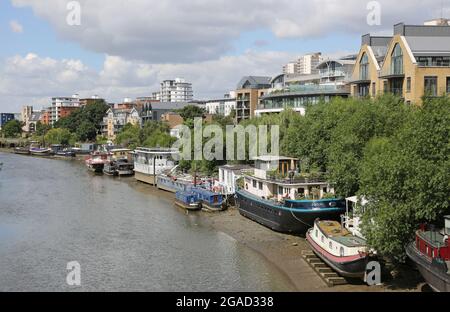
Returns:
<point x="374" y="89"/>
<point x="408" y="84"/>
<point x="301" y="191"/>
<point x="331" y="246"/>
<point x="364" y="67"/>
<point x="397" y="60"/>
<point x="342" y="252"/>
<point x="431" y="86"/>
<point x="434" y="61"/>
<point x="260" y="186"/>
<point x="317" y="233"/>
<point x="448" y="85"/>
<point x="323" y="239"/>
<point x="255" y="184"/>
<point x="385" y="86"/>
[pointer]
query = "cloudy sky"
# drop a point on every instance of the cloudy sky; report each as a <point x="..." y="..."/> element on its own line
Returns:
<point x="124" y="48"/>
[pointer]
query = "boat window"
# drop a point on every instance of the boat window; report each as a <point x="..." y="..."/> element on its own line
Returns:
<point x="342" y="252"/>
<point x="254" y="184"/>
<point x="323" y="239"/>
<point x="260" y="186"/>
<point x="317" y="233"/>
<point x="331" y="246"/>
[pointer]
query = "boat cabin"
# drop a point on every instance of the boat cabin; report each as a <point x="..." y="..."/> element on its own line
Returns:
<point x="278" y="178"/>
<point x="208" y="197"/>
<point x="434" y="243"/>
<point x="187" y="197"/>
<point x="150" y="162"/>
<point x="228" y="177"/>
<point x="120" y="154"/>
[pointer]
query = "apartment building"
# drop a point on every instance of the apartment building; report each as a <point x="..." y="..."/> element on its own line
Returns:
<point x="177" y="90"/>
<point x="5" y="118"/>
<point x="304" y="65"/>
<point x="250" y="91"/>
<point x="116" y="119"/>
<point x="416" y="63"/>
<point x="224" y="106"/>
<point x="296" y="92"/>
<point x="63" y="107"/>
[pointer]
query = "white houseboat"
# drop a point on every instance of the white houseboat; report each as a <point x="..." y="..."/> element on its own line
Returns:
<point x="151" y="162"/>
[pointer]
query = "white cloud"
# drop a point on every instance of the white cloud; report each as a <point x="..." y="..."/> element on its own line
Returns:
<point x="33" y="80"/>
<point x="182" y="31"/>
<point x="16" y="27"/>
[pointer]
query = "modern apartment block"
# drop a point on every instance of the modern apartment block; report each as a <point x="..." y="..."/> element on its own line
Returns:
<point x="223" y="107"/>
<point x="63" y="107"/>
<point x="177" y="90"/>
<point x="296" y="92"/>
<point x="92" y="100"/>
<point x="5" y="118"/>
<point x="414" y="63"/>
<point x="249" y="93"/>
<point x="307" y="64"/>
<point x="116" y="119"/>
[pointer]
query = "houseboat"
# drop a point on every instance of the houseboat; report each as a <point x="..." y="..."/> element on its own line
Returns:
<point x="210" y="201"/>
<point x="279" y="198"/>
<point x="120" y="154"/>
<point x="173" y="183"/>
<point x="22" y="150"/>
<point x="355" y="208"/>
<point x="62" y="151"/>
<point x="336" y="246"/>
<point x="431" y="253"/>
<point x="124" y="168"/>
<point x="151" y="162"/>
<point x="187" y="200"/>
<point x="38" y="151"/>
<point x="96" y="162"/>
<point x="110" y="169"/>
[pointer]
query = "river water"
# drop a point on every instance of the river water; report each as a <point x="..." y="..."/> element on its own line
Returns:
<point x="124" y="235"/>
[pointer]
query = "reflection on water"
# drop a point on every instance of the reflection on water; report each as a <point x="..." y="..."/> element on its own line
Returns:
<point x="125" y="236"/>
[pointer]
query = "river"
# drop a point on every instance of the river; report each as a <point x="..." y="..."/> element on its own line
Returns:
<point x="125" y="236"/>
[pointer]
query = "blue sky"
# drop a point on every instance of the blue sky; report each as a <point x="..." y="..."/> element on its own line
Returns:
<point x="38" y="37"/>
<point x="125" y="48"/>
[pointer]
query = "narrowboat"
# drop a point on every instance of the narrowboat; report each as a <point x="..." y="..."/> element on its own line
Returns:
<point x="22" y="150"/>
<point x="341" y="250"/>
<point x="211" y="201"/>
<point x="110" y="169"/>
<point x="431" y="254"/>
<point x="151" y="162"/>
<point x="96" y="162"/>
<point x="43" y="152"/>
<point x="174" y="183"/>
<point x="124" y="168"/>
<point x="188" y="201"/>
<point x="278" y="198"/>
<point x="61" y="151"/>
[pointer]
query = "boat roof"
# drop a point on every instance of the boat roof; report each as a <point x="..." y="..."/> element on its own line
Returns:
<point x="336" y="232"/>
<point x="116" y="150"/>
<point x="267" y="158"/>
<point x="157" y="151"/>
<point x="434" y="238"/>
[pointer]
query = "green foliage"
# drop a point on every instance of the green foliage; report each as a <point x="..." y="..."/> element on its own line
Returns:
<point x="12" y="129"/>
<point x="86" y="121"/>
<point x="191" y="112"/>
<point x="153" y="134"/>
<point x="406" y="177"/>
<point x="42" y="129"/>
<point x="60" y="136"/>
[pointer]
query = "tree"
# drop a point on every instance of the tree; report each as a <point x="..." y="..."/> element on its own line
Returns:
<point x="406" y="178"/>
<point x="42" y="129"/>
<point x="191" y="112"/>
<point x="59" y="136"/>
<point x="86" y="131"/>
<point x="12" y="129"/>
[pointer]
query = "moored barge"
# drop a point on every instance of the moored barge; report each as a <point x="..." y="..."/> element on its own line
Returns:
<point x="431" y="254"/>
<point x="274" y="197"/>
